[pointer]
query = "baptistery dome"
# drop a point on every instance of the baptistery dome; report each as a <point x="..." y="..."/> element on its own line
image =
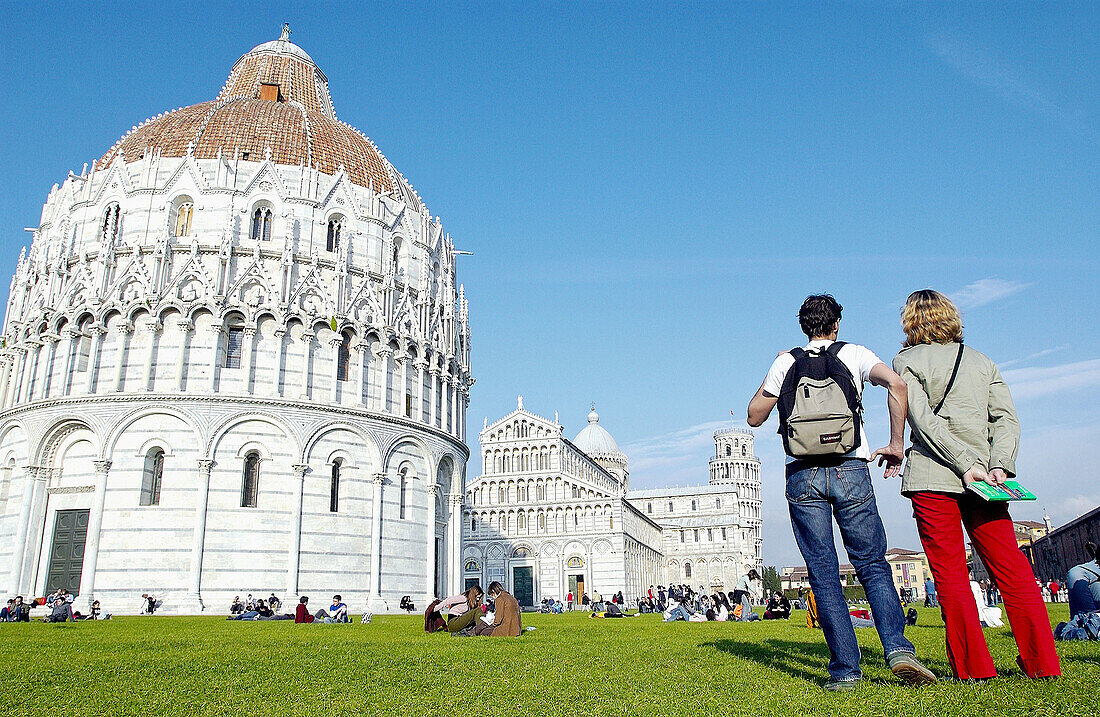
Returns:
<point x="235" y="359"/>
<point x="595" y="441"/>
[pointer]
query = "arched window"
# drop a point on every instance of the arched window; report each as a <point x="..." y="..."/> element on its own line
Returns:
<point x="335" y="226"/>
<point x="334" y="488"/>
<point x="500" y="494"/>
<point x="250" y="480"/>
<point x="402" y="497"/>
<point x="151" y="477"/>
<point x="112" y="222"/>
<point x="473" y="523"/>
<point x="234" y="346"/>
<point x="670" y="506"/>
<point x="687" y="570"/>
<point x="261" y="223"/>
<point x="521" y="521"/>
<point x="729" y="451"/>
<point x="694" y="505"/>
<point x="541" y="492"/>
<point x="343" y="357"/>
<point x="181" y="227"/>
<point x="542" y="521"/>
<point x="744" y="450"/>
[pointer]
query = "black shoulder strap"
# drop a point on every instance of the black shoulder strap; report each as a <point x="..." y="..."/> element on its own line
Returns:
<point x="835" y="347"/>
<point x="796" y="353"/>
<point x="950" y="381"/>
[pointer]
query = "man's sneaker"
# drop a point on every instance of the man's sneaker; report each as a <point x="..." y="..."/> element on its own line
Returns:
<point x="841" y="685"/>
<point x="907" y="667"/>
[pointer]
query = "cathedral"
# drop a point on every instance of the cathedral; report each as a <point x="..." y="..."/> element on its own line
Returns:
<point x="550" y="516"/>
<point x="235" y="359"/>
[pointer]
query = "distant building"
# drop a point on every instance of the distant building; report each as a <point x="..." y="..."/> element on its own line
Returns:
<point x="908" y="569"/>
<point x="1027" y="532"/>
<point x="549" y="516"/>
<point x="1063" y="547"/>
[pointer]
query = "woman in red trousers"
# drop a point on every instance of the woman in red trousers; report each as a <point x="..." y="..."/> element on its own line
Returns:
<point x="964" y="429"/>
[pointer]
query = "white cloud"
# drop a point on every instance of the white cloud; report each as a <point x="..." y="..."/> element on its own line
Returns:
<point x="986" y="291"/>
<point x="1035" y="381"/>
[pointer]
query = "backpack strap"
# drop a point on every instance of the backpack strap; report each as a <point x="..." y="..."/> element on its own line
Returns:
<point x="950" y="381"/>
<point x="797" y="353"/>
<point x="835" y="347"/>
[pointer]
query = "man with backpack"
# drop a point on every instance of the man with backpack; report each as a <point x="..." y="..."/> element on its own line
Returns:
<point x="819" y="392"/>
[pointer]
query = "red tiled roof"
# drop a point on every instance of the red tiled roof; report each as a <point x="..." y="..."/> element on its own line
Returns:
<point x="298" y="128"/>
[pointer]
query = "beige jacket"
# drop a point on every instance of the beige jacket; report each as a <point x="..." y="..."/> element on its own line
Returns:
<point x="977" y="424"/>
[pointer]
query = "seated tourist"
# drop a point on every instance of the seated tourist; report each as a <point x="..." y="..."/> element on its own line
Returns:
<point x="236" y="607"/>
<point x="8" y="611"/>
<point x="61" y="611"/>
<point x="506" y="615"/>
<point x="21" y="610"/>
<point x="337" y="612"/>
<point x="274" y="603"/>
<point x="1083" y="584"/>
<point x="458" y="612"/>
<point x="677" y="611"/>
<point x="779" y="607"/>
<point x="301" y="612"/>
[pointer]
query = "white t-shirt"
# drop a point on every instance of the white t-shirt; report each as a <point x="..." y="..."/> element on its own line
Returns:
<point x="859" y="360"/>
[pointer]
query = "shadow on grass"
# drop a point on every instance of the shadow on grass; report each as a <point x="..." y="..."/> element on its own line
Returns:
<point x="802" y="660"/>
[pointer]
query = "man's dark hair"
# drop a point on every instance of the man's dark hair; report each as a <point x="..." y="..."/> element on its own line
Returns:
<point x="303" y="600"/>
<point x="818" y="315"/>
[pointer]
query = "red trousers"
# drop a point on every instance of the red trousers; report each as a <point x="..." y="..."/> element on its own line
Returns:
<point x="940" y="519"/>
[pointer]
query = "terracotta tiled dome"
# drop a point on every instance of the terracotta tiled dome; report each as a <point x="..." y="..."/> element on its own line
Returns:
<point x="276" y="99"/>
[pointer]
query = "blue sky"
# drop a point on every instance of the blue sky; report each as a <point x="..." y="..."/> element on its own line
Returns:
<point x="649" y="191"/>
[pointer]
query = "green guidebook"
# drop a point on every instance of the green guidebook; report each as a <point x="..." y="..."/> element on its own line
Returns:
<point x="1009" y="490"/>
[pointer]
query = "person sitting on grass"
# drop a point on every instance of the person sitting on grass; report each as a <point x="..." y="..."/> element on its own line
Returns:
<point x="257" y="609"/>
<point x="337" y="612"/>
<point x="301" y="612"/>
<point x="677" y="611"/>
<point x="61" y="611"/>
<point x="506" y="615"/>
<point x="1083" y="584"/>
<point x="236" y="607"/>
<point x="274" y="603"/>
<point x="8" y="611"/>
<point x="458" y="612"/>
<point x="779" y="607"/>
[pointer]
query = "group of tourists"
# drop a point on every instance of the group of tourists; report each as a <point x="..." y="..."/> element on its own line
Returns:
<point x="474" y="612"/>
<point x="249" y="609"/>
<point x="964" y="430"/>
<point x="59" y="603"/>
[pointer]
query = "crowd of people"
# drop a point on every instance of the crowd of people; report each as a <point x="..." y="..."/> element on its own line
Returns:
<point x="60" y="606"/>
<point x="251" y="609"/>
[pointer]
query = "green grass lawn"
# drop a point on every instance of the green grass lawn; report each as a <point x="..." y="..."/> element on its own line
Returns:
<point x="570" y="665"/>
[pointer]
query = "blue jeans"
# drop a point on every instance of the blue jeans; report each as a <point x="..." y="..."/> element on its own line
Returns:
<point x="1083" y="587"/>
<point x="678" y="613"/>
<point x="814" y="496"/>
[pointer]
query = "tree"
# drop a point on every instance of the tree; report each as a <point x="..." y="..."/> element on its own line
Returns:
<point x="771" y="579"/>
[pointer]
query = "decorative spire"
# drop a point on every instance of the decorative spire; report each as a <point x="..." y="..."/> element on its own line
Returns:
<point x="519" y="402"/>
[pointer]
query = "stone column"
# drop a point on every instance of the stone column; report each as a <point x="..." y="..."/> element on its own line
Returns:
<point x="70" y="360"/>
<point x="198" y="538"/>
<point x="307" y="339"/>
<point x="429" y="584"/>
<point x="444" y="407"/>
<point x="30" y="367"/>
<point x="5" y="378"/>
<point x="454" y="544"/>
<point x="405" y="408"/>
<point x="280" y="361"/>
<point x="433" y="410"/>
<point x="454" y="405"/>
<point x="375" y="601"/>
<point x="32" y="475"/>
<point x="152" y="329"/>
<point x="248" y="348"/>
<point x="124" y="329"/>
<point x="93" y="358"/>
<point x="418" y="394"/>
<point x="19" y="355"/>
<point x="216" y="332"/>
<point x="185" y="328"/>
<point x="293" y="557"/>
<point x="95" y="525"/>
<point x="364" y="372"/>
<point x="334" y="392"/>
<point x="383" y="354"/>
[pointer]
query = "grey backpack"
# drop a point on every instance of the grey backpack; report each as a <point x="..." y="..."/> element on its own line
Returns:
<point x="819" y="406"/>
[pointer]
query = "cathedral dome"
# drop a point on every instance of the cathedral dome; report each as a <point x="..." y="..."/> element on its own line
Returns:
<point x="595" y="440"/>
<point x="275" y="103"/>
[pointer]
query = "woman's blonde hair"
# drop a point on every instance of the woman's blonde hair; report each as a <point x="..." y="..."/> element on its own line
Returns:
<point x="930" y="317"/>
